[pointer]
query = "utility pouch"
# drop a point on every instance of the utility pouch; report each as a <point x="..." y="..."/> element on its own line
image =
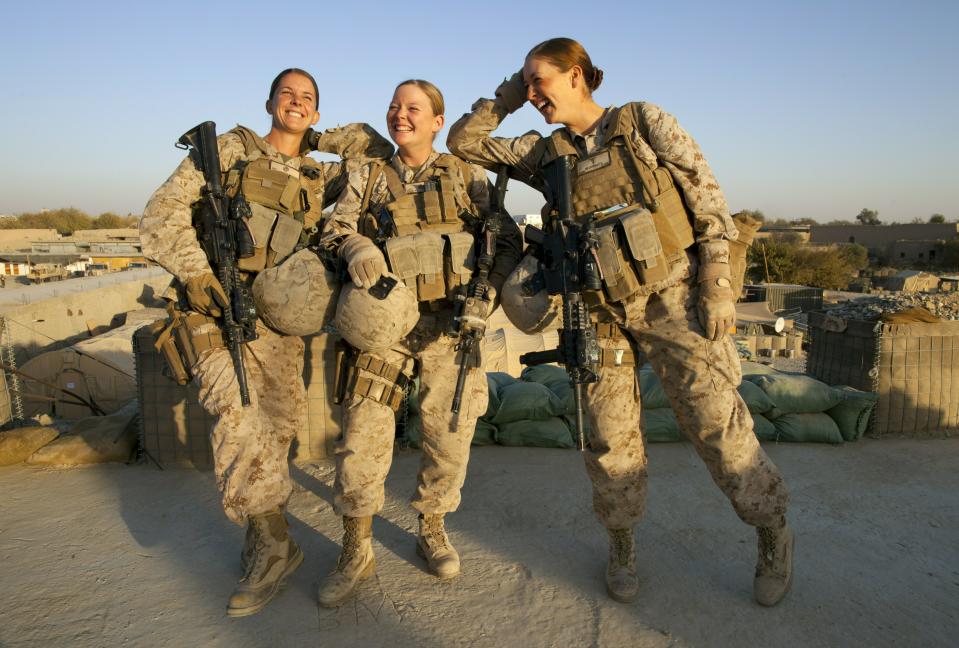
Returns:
<point x="259" y="224"/>
<point x="644" y="245"/>
<point x="286" y="234"/>
<point x="344" y="364"/>
<point x="270" y="185"/>
<point x="618" y="276"/>
<point x="459" y="263"/>
<point x="165" y="344"/>
<point x="401" y="253"/>
<point x="430" y="283"/>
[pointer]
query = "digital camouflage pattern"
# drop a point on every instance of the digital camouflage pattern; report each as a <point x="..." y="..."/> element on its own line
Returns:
<point x="668" y="144"/>
<point x="700" y="378"/>
<point x="365" y="450"/>
<point x="251" y="445"/>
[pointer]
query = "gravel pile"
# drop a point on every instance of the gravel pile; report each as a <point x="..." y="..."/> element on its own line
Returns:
<point x="944" y="306"/>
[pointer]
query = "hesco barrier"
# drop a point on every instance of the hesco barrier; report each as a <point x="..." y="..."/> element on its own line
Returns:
<point x="175" y="429"/>
<point x="914" y="367"/>
<point x="785" y="296"/>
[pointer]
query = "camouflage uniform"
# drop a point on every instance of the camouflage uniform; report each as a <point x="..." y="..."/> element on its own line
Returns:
<point x="699" y="376"/>
<point x="250" y="444"/>
<point x="365" y="450"/>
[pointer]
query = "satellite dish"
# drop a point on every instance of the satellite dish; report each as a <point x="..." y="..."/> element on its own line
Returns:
<point x="780" y="325"/>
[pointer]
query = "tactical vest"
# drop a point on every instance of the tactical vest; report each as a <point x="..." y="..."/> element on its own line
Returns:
<point x="285" y="202"/>
<point x="642" y="223"/>
<point x="426" y="238"/>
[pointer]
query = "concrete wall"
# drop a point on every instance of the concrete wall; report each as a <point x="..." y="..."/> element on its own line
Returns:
<point x="51" y="323"/>
<point x="878" y="237"/>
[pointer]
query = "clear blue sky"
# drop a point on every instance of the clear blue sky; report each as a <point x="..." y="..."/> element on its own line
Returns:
<point x="811" y="109"/>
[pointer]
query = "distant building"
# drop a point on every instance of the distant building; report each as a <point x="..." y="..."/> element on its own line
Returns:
<point x="802" y="231"/>
<point x="897" y="243"/>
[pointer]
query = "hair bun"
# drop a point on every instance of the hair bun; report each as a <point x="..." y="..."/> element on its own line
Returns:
<point x="597" y="78"/>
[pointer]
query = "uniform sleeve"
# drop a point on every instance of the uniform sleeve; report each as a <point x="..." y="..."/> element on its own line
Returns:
<point x="470" y="138"/>
<point x="357" y="141"/>
<point x="678" y="151"/>
<point x="345" y="217"/>
<point x="167" y="235"/>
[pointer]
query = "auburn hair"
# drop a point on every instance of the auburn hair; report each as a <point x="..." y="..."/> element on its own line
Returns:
<point x="564" y="53"/>
<point x="431" y="91"/>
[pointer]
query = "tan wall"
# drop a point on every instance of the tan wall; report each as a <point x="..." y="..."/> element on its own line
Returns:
<point x="16" y="239"/>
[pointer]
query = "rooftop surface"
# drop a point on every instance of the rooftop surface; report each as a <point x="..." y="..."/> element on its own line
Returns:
<point x="115" y="555"/>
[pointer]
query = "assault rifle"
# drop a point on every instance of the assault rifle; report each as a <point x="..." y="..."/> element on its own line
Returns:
<point x="224" y="238"/>
<point x="567" y="251"/>
<point x="471" y="306"/>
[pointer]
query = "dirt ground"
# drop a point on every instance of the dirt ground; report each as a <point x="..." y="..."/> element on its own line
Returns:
<point x="116" y="555"/>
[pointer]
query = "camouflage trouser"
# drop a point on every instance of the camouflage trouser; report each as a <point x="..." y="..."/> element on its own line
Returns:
<point x="365" y="450"/>
<point x="700" y="378"/>
<point x="251" y="444"/>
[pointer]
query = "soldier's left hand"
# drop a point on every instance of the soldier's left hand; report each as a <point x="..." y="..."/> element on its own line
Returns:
<point x="716" y="308"/>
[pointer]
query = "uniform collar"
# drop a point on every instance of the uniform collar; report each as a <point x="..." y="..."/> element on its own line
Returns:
<point x="408" y="174"/>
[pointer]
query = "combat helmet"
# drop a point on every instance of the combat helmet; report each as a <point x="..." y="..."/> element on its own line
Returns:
<point x="375" y="319"/>
<point x="529" y="311"/>
<point x="297" y="297"/>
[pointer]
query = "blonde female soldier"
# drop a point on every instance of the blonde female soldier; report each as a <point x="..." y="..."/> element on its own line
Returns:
<point x="286" y="192"/>
<point x="416" y="218"/>
<point x="664" y="229"/>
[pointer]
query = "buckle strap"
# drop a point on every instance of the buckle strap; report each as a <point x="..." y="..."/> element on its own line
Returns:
<point x="392" y="395"/>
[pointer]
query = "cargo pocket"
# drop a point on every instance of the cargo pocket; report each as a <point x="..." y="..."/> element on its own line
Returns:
<point x="430" y="283"/>
<point x="645" y="247"/>
<point x="286" y="234"/>
<point x="618" y="275"/>
<point x="461" y="260"/>
<point x="724" y="366"/>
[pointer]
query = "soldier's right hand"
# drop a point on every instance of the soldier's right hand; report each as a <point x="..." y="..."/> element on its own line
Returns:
<point x="205" y="295"/>
<point x="364" y="261"/>
<point x="512" y="92"/>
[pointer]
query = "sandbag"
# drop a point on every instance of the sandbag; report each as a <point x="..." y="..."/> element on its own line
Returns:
<point x="763" y="428"/>
<point x="757" y="369"/>
<point x="548" y="433"/>
<point x="796" y="393"/>
<point x="492" y="406"/>
<point x="651" y="390"/>
<point x="527" y="401"/>
<point x="756" y="399"/>
<point x="556" y="379"/>
<point x="853" y="411"/>
<point x="483" y="434"/>
<point x="814" y="427"/>
<point x="18" y="444"/>
<point x="95" y="439"/>
<point x="660" y="426"/>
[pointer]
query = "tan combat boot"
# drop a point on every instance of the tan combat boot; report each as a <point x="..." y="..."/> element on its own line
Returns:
<point x="434" y="546"/>
<point x="249" y="548"/>
<point x="274" y="556"/>
<point x="621" y="582"/>
<point x="774" y="568"/>
<point x="355" y="563"/>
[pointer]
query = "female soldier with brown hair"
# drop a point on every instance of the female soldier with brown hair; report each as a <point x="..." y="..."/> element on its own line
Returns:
<point x="416" y="218"/>
<point x="286" y="192"/>
<point x="664" y="230"/>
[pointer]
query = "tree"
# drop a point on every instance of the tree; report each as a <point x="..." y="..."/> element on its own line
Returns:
<point x="109" y="220"/>
<point x="868" y="217"/>
<point x="789" y="261"/>
<point x="937" y="218"/>
<point x="754" y="213"/>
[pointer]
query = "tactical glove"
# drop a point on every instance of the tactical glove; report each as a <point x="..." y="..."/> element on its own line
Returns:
<point x="717" y="303"/>
<point x="205" y="295"/>
<point x="512" y="92"/>
<point x="364" y="261"/>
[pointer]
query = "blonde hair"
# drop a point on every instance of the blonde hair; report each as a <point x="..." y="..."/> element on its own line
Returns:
<point x="431" y="91"/>
<point x="564" y="53"/>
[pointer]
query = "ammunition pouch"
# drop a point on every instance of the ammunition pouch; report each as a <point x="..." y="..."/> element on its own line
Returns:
<point x="631" y="252"/>
<point x="182" y="338"/>
<point x="350" y="380"/>
<point x="436" y="264"/>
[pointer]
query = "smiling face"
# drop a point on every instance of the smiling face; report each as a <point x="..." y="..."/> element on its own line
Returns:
<point x="293" y="104"/>
<point x="410" y="119"/>
<point x="557" y="95"/>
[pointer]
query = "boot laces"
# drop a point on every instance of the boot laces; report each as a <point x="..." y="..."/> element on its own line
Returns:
<point x="351" y="546"/>
<point x="259" y="545"/>
<point x="767" y="547"/>
<point x="621" y="546"/>
<point x="434" y="531"/>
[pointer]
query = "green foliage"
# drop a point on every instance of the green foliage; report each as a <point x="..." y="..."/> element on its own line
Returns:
<point x="67" y="221"/>
<point x="755" y="213"/>
<point x="840" y="222"/>
<point x="868" y="217"/>
<point x="937" y="218"/>
<point x="789" y="261"/>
